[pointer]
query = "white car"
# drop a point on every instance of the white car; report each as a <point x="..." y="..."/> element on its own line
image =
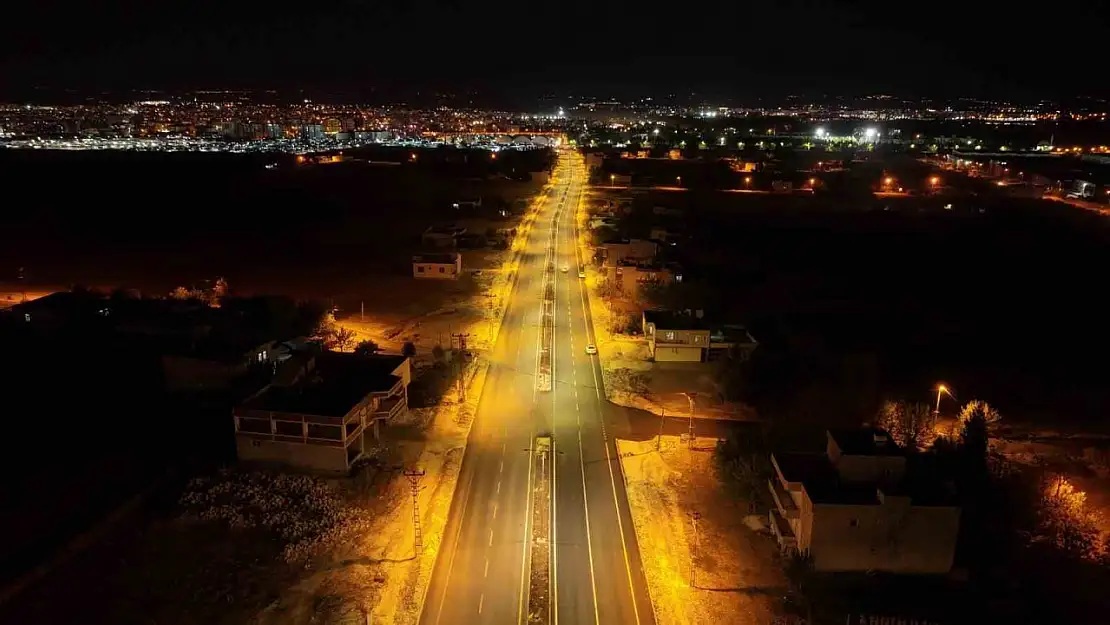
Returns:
<point x="582" y="273"/>
<point x="566" y="268"/>
<point x="591" y="349"/>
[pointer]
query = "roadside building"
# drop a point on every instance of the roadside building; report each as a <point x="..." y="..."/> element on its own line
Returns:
<point x="445" y="266"/>
<point x="318" y="409"/>
<point x="441" y="237"/>
<point x="864" y="505"/>
<point x="686" y="336"/>
<point x="617" y="250"/>
<point x="627" y="278"/>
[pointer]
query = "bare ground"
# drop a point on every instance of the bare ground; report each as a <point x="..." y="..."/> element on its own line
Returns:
<point x="738" y="578"/>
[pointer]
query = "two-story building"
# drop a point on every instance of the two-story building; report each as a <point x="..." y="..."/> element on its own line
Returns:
<point x="316" y="412"/>
<point x="441" y="237"/>
<point x="686" y="336"/>
<point x="863" y="505"/>
<point x="627" y="277"/>
<point x="617" y="251"/>
<point x="438" y="266"/>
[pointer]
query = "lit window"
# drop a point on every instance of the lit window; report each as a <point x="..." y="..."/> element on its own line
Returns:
<point x="669" y="336"/>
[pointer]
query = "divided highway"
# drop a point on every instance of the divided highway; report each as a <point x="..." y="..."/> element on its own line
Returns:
<point x="481" y="571"/>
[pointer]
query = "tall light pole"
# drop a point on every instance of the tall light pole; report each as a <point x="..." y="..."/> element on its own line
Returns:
<point x="662" y="421"/>
<point x="940" y="390"/>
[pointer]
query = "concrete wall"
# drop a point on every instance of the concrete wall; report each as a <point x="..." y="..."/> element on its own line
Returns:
<point x="307" y="457"/>
<point x="892" y="537"/>
<point x="436" y="271"/>
<point x="886" y="469"/>
<point x="676" y="353"/>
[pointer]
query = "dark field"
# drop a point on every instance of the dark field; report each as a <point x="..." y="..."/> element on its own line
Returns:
<point x="1000" y="299"/>
<point x="155" y="221"/>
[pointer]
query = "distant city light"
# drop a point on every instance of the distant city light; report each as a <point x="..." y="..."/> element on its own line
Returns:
<point x="820" y="133"/>
<point x="871" y="133"/>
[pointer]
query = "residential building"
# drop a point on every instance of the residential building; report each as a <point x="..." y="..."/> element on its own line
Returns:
<point x="686" y="336"/>
<point x="864" y="505"/>
<point x="441" y="237"/>
<point x="444" y="266"/>
<point x="316" y="412"/>
<point x="618" y="250"/>
<point x="627" y="277"/>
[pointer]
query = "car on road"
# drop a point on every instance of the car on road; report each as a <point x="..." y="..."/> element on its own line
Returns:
<point x="566" y="268"/>
<point x="581" y="273"/>
<point x="591" y="349"/>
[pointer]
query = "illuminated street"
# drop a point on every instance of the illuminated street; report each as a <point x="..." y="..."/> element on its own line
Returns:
<point x="481" y="570"/>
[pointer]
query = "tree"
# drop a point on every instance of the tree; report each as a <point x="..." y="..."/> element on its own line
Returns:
<point x="342" y="338"/>
<point x="912" y="426"/>
<point x="408" y="349"/>
<point x="979" y="410"/>
<point x="366" y="348"/>
<point x="976" y="418"/>
<point x="1066" y="521"/>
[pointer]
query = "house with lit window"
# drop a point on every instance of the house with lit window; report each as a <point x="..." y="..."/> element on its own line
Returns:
<point x="864" y="505"/>
<point x="686" y="336"/>
<point x="319" y="408"/>
<point x="442" y="266"/>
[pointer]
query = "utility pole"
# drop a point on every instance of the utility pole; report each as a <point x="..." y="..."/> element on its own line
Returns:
<point x="696" y="516"/>
<point x="662" y="420"/>
<point x="460" y="366"/>
<point x="690" y="439"/>
<point x="414" y="476"/>
<point x="362" y="311"/>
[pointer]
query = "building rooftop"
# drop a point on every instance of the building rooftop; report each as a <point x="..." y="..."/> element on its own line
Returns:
<point x="448" y="258"/>
<point x="865" y="442"/>
<point x="675" y="320"/>
<point x="330" y="385"/>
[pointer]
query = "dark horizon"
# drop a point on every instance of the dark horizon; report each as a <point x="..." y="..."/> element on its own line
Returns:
<point x="502" y="54"/>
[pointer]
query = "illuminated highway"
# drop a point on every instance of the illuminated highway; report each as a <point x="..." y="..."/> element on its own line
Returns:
<point x="482" y="570"/>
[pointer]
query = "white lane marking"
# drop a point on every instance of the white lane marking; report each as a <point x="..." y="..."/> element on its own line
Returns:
<point x="486" y="573"/>
<point x="481" y="600"/>
<point x="524" y="564"/>
<point x="494" y="511"/>
<point x="554" y="534"/>
<point x="589" y="539"/>
<point x="498" y="487"/>
<point x="608" y="459"/>
<point x="491" y="537"/>
<point x="501" y="469"/>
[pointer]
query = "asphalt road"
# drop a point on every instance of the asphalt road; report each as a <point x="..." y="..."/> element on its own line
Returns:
<point x="480" y="574"/>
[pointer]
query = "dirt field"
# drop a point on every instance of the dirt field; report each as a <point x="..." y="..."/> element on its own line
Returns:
<point x="737" y="578"/>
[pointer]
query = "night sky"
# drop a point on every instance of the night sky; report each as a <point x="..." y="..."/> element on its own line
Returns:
<point x="731" y="49"/>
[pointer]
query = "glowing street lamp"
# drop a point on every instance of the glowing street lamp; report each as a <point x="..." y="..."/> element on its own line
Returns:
<point x="941" y="389"/>
<point x="820" y="134"/>
<point x="934" y="181"/>
<point x="747" y="181"/>
<point x="678" y="180"/>
<point x="612" y="179"/>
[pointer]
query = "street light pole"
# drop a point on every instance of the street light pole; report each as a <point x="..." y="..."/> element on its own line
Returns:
<point x="696" y="516"/>
<point x="940" y="389"/>
<point x="662" y="420"/>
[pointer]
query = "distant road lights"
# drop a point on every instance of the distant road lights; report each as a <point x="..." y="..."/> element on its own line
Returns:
<point x="678" y="180"/>
<point x="747" y="181"/>
<point x="813" y="182"/>
<point x="871" y="134"/>
<point x="820" y="134"/>
<point x="612" y="179"/>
